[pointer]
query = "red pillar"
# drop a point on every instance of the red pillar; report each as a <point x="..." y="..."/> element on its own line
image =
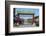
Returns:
<point x="33" y="19"/>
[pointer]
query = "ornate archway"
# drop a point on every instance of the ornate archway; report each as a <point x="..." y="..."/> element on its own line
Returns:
<point x="33" y="19"/>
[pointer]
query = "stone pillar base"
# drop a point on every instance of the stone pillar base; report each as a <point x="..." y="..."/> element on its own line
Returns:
<point x="34" y="24"/>
<point x="17" y="23"/>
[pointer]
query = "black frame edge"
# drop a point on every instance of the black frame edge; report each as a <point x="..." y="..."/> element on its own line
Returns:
<point x="6" y="21"/>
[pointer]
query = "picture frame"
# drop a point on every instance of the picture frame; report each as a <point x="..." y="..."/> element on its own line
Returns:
<point x="10" y="6"/>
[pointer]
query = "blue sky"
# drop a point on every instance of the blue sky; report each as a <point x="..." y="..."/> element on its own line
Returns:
<point x="35" y="11"/>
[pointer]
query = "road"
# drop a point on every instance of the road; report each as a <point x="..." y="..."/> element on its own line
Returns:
<point x="24" y="25"/>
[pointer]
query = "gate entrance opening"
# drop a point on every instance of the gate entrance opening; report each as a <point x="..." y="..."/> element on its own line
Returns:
<point x="27" y="18"/>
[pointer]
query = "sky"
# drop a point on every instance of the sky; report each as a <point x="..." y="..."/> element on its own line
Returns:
<point x="32" y="10"/>
<point x="35" y="11"/>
